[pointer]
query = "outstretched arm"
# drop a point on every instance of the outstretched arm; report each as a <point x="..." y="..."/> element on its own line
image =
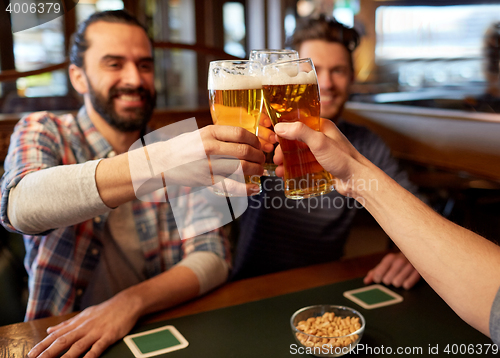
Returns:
<point x="462" y="267"/>
<point x="64" y="195"/>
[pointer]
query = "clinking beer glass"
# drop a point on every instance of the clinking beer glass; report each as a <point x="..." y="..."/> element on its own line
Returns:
<point x="291" y="94"/>
<point x="265" y="57"/>
<point x="235" y="97"/>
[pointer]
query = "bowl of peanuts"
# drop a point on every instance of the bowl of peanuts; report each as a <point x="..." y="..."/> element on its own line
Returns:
<point x="327" y="330"/>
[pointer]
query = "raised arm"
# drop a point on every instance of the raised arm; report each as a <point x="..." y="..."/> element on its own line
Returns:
<point x="462" y="267"/>
<point x="40" y="194"/>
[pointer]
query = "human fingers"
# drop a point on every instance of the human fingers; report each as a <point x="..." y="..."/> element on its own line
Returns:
<point x="234" y="188"/>
<point x="265" y="121"/>
<point x="368" y="278"/>
<point x="82" y="345"/>
<point x="228" y="165"/>
<point x="233" y="142"/>
<point x="307" y="161"/>
<point x="293" y="131"/>
<point x="59" y="326"/>
<point x="296" y="171"/>
<point x="334" y="157"/>
<point x="267" y="138"/>
<point x="316" y="140"/>
<point x="266" y="146"/>
<point x="55" y="343"/>
<point x="397" y="267"/>
<point x="297" y="131"/>
<point x="411" y="280"/>
<point x="231" y="134"/>
<point x="230" y="151"/>
<point x="99" y="347"/>
<point x="91" y="343"/>
<point x="278" y="155"/>
<point x="378" y="272"/>
<point x="406" y="276"/>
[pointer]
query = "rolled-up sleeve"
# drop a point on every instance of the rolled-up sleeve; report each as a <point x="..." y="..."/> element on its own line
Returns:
<point x="33" y="146"/>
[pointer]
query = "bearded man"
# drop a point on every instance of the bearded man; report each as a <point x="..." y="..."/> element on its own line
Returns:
<point x="91" y="244"/>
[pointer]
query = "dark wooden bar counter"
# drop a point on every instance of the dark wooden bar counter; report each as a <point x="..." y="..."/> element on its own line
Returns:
<point x="16" y="340"/>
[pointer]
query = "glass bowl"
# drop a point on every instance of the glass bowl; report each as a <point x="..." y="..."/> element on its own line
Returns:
<point x="322" y="334"/>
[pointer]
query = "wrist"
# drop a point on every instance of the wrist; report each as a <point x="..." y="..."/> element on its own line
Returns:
<point x="365" y="182"/>
<point x="113" y="181"/>
<point x="135" y="300"/>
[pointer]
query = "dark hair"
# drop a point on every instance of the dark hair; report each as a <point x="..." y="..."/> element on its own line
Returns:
<point x="79" y="43"/>
<point x="327" y="29"/>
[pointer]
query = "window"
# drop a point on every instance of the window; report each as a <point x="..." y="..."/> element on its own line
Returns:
<point x="234" y="28"/>
<point x="176" y="69"/>
<point x="434" y="45"/>
<point x="85" y="8"/>
<point x="38" y="47"/>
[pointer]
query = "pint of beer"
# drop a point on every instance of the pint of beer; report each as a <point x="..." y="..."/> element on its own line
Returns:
<point x="266" y="57"/>
<point x="291" y="94"/>
<point x="235" y="97"/>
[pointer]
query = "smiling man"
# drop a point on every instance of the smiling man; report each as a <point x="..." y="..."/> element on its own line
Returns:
<point x="91" y="244"/>
<point x="277" y="233"/>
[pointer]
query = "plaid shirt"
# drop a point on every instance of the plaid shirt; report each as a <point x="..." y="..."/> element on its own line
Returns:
<point x="61" y="262"/>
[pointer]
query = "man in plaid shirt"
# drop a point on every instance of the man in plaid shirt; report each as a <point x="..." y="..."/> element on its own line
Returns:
<point x="91" y="244"/>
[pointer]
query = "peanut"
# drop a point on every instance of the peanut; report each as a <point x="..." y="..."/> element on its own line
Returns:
<point x="325" y="327"/>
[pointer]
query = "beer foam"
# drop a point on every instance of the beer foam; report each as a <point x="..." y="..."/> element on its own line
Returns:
<point x="288" y="76"/>
<point x="229" y="81"/>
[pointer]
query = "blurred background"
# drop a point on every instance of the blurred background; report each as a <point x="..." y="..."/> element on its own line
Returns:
<point x="433" y="48"/>
<point x="427" y="81"/>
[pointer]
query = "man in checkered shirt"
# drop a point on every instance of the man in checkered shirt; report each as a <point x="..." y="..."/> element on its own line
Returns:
<point x="91" y="244"/>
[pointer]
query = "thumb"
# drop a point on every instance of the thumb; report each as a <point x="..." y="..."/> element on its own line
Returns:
<point x="296" y="131"/>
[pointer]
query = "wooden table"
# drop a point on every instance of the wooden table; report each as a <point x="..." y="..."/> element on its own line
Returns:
<point x="16" y="340"/>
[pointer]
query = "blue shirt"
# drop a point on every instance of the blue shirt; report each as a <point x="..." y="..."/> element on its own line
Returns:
<point x="277" y="233"/>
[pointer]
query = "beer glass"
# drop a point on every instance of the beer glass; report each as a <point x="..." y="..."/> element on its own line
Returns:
<point x="235" y="97"/>
<point x="291" y="94"/>
<point x="266" y="57"/>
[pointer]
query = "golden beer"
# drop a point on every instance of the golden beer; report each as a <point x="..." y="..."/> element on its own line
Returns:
<point x="235" y="98"/>
<point x="265" y="57"/>
<point x="304" y="176"/>
<point x="238" y="108"/>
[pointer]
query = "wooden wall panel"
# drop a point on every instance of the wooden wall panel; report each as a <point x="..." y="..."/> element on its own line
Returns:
<point x="453" y="140"/>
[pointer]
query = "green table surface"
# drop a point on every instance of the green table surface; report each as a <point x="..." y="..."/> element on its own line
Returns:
<point x="422" y="324"/>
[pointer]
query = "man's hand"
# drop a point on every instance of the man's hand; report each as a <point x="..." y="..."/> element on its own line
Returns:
<point x="266" y="134"/>
<point x="221" y="142"/>
<point x="394" y="269"/>
<point x="234" y="142"/>
<point x="91" y="331"/>
<point x="187" y="160"/>
<point x="330" y="148"/>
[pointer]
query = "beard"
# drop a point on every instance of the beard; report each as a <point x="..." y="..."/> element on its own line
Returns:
<point x="135" y="119"/>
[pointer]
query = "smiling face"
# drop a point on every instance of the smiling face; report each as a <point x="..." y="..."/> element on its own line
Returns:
<point x="333" y="68"/>
<point x="119" y="71"/>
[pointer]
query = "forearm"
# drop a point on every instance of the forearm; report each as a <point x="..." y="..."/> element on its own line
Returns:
<point x="166" y="290"/>
<point x="184" y="281"/>
<point x="114" y="182"/>
<point x="210" y="269"/>
<point x="55" y="197"/>
<point x="66" y="195"/>
<point x="461" y="266"/>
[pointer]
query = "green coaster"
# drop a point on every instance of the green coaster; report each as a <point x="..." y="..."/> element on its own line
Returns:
<point x="373" y="296"/>
<point x="156" y="341"/>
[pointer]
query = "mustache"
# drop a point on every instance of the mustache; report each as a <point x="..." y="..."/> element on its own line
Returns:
<point x="140" y="91"/>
